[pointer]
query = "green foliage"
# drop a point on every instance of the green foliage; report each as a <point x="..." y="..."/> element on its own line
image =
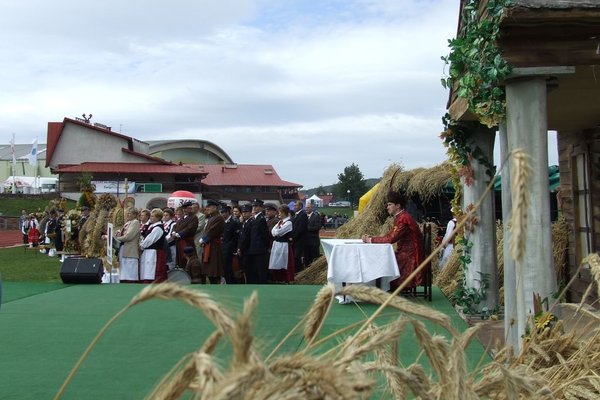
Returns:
<point x="476" y="67"/>
<point x="468" y="298"/>
<point x="351" y="179"/>
<point x="12" y="207"/>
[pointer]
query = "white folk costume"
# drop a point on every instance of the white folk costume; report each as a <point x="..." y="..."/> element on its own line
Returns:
<point x="129" y="251"/>
<point x="450" y="246"/>
<point x="153" y="261"/>
<point x="281" y="261"/>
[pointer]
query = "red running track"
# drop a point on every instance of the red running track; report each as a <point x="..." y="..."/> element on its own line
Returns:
<point x="10" y="238"/>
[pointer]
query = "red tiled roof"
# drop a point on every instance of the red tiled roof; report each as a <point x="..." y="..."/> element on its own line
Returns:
<point x="131" y="168"/>
<point x="243" y="175"/>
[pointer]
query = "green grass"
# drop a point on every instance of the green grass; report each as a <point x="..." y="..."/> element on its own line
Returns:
<point x="12" y="207"/>
<point x="20" y="264"/>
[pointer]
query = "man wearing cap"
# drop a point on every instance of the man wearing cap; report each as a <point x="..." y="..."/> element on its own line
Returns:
<point x="231" y="233"/>
<point x="257" y="254"/>
<point x="244" y="238"/>
<point x="184" y="231"/>
<point x="272" y="220"/>
<point x="212" y="256"/>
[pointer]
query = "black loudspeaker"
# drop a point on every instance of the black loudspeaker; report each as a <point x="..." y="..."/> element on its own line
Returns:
<point x="81" y="270"/>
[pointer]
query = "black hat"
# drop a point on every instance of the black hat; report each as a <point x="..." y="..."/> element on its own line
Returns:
<point x="189" y="250"/>
<point x="246" y="208"/>
<point x="270" y="206"/>
<point x="211" y="202"/>
<point x="396" y="198"/>
<point x="187" y="203"/>
<point x="257" y="202"/>
<point x="225" y="208"/>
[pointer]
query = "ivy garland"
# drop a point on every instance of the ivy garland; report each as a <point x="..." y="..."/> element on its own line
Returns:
<point x="476" y="71"/>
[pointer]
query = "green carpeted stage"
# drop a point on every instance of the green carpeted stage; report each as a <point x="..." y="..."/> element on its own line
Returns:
<point x="45" y="327"/>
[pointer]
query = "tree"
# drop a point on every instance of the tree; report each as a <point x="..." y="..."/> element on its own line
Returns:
<point x="351" y="184"/>
<point x="321" y="191"/>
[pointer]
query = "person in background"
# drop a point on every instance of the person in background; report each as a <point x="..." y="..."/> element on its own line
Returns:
<point x="450" y="245"/>
<point x="144" y="221"/>
<point x="244" y="239"/>
<point x="59" y="238"/>
<point x="199" y="212"/>
<point x="169" y="225"/>
<point x="50" y="230"/>
<point x="179" y="214"/>
<point x="184" y="231"/>
<point x="129" y="251"/>
<point x="312" y="241"/>
<point x="300" y="223"/>
<point x="257" y="253"/>
<point x="212" y="254"/>
<point x="193" y="265"/>
<point x="231" y="234"/>
<point x="23" y="226"/>
<point x="410" y="247"/>
<point x="153" y="263"/>
<point x="281" y="260"/>
<point x="76" y="230"/>
<point x="33" y="231"/>
<point x="272" y="220"/>
<point x="237" y="213"/>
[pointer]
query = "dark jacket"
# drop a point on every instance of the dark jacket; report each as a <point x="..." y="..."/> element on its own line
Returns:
<point x="315" y="222"/>
<point x="259" y="235"/>
<point x="300" y="225"/>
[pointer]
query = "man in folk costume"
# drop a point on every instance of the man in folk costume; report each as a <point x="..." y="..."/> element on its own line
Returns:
<point x="201" y="215"/>
<point x="281" y="260"/>
<point x="410" y="247"/>
<point x="129" y="251"/>
<point x="258" y="255"/>
<point x="312" y="241"/>
<point x="185" y="229"/>
<point x="231" y="234"/>
<point x="153" y="262"/>
<point x="212" y="256"/>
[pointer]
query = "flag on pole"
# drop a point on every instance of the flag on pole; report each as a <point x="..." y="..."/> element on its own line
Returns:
<point x="12" y="151"/>
<point x="32" y="156"/>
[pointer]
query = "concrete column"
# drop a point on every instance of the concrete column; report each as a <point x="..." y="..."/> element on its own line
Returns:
<point x="526" y="122"/>
<point x="511" y="331"/>
<point x="483" y="252"/>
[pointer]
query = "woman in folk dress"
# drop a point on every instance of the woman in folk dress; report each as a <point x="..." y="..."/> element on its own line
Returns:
<point x="153" y="262"/>
<point x="281" y="261"/>
<point x="129" y="252"/>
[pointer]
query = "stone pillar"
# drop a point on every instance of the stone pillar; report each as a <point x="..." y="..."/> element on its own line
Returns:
<point x="483" y="253"/>
<point x="526" y="122"/>
<point x="511" y="331"/>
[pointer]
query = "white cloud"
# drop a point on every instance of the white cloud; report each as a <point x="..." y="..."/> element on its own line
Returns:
<point x="334" y="81"/>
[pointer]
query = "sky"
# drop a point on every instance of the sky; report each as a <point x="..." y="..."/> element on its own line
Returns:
<point x="308" y="86"/>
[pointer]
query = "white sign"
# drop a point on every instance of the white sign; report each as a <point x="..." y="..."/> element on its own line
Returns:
<point x="113" y="187"/>
<point x="109" y="244"/>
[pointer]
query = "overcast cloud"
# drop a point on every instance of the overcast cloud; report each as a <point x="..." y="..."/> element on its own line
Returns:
<point x="307" y="86"/>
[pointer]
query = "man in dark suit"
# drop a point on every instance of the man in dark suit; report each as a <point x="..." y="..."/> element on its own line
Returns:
<point x="300" y="223"/>
<point x="272" y="220"/>
<point x="244" y="239"/>
<point x="312" y="241"/>
<point x="258" y="256"/>
<point x="230" y="243"/>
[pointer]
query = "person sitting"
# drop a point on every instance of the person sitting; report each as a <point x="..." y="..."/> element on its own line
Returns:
<point x="410" y="247"/>
<point x="193" y="266"/>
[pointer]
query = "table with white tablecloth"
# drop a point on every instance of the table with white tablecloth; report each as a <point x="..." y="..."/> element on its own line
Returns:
<point x="352" y="261"/>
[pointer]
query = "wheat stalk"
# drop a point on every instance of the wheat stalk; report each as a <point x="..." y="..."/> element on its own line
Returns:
<point x="520" y="170"/>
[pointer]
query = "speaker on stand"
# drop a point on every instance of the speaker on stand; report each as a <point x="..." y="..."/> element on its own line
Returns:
<point x="82" y="270"/>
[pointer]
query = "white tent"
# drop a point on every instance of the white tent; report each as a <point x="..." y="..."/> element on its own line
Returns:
<point x="315" y="200"/>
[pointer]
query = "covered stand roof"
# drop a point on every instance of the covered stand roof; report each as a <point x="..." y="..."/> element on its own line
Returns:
<point x="244" y="175"/>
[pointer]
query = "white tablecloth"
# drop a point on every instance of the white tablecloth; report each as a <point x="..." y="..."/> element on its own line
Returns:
<point x="352" y="261"/>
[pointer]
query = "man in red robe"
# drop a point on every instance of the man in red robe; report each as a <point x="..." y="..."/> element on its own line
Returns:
<point x="410" y="247"/>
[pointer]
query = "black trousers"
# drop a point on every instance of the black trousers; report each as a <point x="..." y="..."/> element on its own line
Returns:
<point x="256" y="266"/>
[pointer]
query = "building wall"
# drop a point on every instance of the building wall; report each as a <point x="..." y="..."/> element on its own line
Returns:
<point x="570" y="145"/>
<point x="189" y="156"/>
<point x="97" y="147"/>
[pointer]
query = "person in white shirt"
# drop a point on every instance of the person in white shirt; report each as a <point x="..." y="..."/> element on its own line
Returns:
<point x="281" y="260"/>
<point x="450" y="245"/>
<point x="153" y="262"/>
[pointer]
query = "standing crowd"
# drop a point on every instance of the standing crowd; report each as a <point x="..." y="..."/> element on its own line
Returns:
<point x="255" y="243"/>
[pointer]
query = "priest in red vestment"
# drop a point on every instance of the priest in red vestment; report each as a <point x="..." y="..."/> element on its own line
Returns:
<point x="410" y="247"/>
